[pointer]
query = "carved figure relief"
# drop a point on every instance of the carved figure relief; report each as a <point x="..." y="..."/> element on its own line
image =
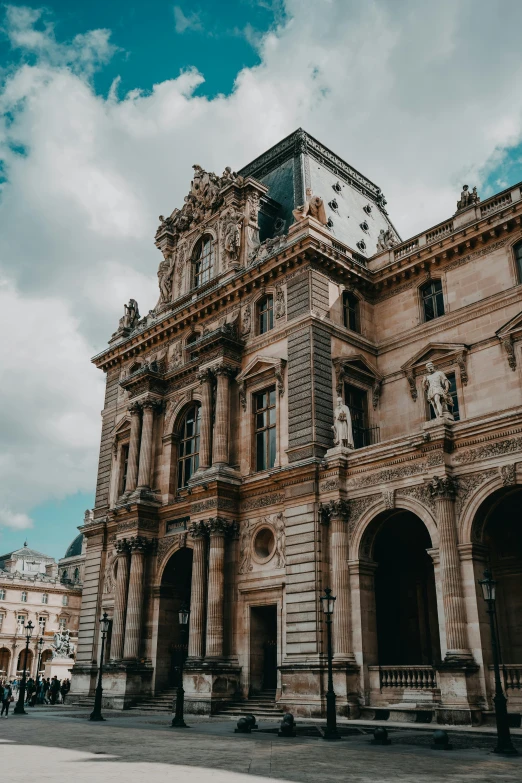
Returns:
<point x="175" y="356"/>
<point x="313" y="207"/>
<point x="280" y="536"/>
<point x="231" y="235"/>
<point x="280" y="305"/>
<point x="108" y="579"/>
<point x="246" y="321"/>
<point x="165" y="272"/>
<point x="386" y="240"/>
<point x="245" y="554"/>
<point x="131" y="315"/>
<point x="437" y="387"/>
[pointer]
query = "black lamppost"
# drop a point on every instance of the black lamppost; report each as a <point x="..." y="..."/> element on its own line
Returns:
<point x="504" y="744"/>
<point x="39" y="647"/>
<point x="19" y="709"/>
<point x="96" y="713"/>
<point x="178" y="721"/>
<point x="331" y="732"/>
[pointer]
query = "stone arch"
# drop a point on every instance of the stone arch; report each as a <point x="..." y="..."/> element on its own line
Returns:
<point x="177" y="408"/>
<point x="167" y="550"/>
<point x="370" y="522"/>
<point x="467" y="529"/>
<point x="5" y="661"/>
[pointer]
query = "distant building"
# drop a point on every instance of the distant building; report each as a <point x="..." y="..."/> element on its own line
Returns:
<point x="34" y="587"/>
<point x="313" y="402"/>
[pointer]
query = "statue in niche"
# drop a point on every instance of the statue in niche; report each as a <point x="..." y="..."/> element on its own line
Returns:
<point x="231" y="222"/>
<point x="437" y="387"/>
<point x="245" y="563"/>
<point x="342" y="426"/>
<point x="165" y="271"/>
<point x="313" y="207"/>
<point x="279" y="524"/>
<point x="131" y="315"/>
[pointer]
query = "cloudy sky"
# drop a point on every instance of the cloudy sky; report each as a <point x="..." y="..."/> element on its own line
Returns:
<point x="105" y="106"/>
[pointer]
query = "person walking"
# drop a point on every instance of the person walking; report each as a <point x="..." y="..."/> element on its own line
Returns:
<point x="46" y="689"/>
<point x="7" y="698"/>
<point x="55" y="689"/>
<point x="64" y="689"/>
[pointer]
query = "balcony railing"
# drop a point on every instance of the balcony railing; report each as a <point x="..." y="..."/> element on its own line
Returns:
<point x="365" y="436"/>
<point x="512" y="676"/>
<point x="411" y="677"/>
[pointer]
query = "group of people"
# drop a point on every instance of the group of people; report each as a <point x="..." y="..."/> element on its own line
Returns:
<point x="39" y="691"/>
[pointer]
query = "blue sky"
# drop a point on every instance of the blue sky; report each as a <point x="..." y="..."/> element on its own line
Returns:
<point x="105" y="108"/>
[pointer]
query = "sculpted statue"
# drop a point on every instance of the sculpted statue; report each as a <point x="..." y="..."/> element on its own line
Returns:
<point x="245" y="564"/>
<point x="437" y="387"/>
<point x="165" y="271"/>
<point x="386" y="240"/>
<point x="62" y="646"/>
<point x="313" y="207"/>
<point x="467" y="199"/>
<point x="279" y="524"/>
<point x="342" y="426"/>
<point x="231" y="222"/>
<point x="131" y="315"/>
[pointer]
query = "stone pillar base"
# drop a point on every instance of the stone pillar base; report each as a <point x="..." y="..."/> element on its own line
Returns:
<point x="83" y="682"/>
<point x="460" y="695"/>
<point x="209" y="685"/>
<point x="124" y="684"/>
<point x="304" y="686"/>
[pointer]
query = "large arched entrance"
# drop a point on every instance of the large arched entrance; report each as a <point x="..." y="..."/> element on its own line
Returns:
<point x="5" y="657"/>
<point x="498" y="526"/>
<point x="172" y="637"/>
<point x="405" y="596"/>
<point x="21" y="660"/>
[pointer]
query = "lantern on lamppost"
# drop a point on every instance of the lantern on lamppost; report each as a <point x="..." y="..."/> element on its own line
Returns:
<point x="331" y="733"/>
<point x="96" y="713"/>
<point x="19" y="709"/>
<point x="178" y="720"/>
<point x="504" y="744"/>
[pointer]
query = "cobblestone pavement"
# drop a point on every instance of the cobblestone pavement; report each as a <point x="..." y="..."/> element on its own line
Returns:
<point x="61" y="744"/>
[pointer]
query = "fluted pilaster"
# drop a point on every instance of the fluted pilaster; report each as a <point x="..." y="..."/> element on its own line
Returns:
<point x="149" y="407"/>
<point x="218" y="529"/>
<point x="444" y="491"/>
<point x="197" y="593"/>
<point x="205" y="438"/>
<point x="120" y="601"/>
<point x="132" y="467"/>
<point x="138" y="547"/>
<point x="335" y="514"/>
<point x="222" y="422"/>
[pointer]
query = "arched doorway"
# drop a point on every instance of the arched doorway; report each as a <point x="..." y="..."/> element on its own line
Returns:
<point x="5" y="657"/>
<point x="46" y="656"/>
<point x="405" y="595"/>
<point x="21" y="659"/>
<point x="173" y="638"/>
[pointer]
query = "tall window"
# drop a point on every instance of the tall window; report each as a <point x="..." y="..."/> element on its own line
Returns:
<point x="351" y="311"/>
<point x="518" y="258"/>
<point x="65" y="600"/>
<point x="124" y="467"/>
<point x="357" y="401"/>
<point x="203" y="261"/>
<point x="42" y="622"/>
<point x="20" y="622"/>
<point x="265" y="428"/>
<point x="45" y="598"/>
<point x="62" y="623"/>
<point x="265" y="314"/>
<point x="1" y="620"/>
<point x="453" y="394"/>
<point x="76" y="574"/>
<point x="65" y="575"/>
<point x="2" y="594"/>
<point x="432" y="300"/>
<point x="188" y="453"/>
<point x="23" y="597"/>
<point x="192" y="355"/>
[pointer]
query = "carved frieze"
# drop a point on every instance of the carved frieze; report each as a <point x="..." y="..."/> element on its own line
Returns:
<point x="280" y="305"/>
<point x="329" y="485"/>
<point x="262" y="501"/>
<point x="468" y="484"/>
<point x="492" y="449"/>
<point x="357" y="507"/>
<point x="420" y="493"/>
<point x="211" y="503"/>
<point x="508" y="474"/>
<point x="388" y="498"/>
<point x="382" y="476"/>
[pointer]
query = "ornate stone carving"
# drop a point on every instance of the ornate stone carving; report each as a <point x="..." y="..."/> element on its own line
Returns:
<point x="334" y="509"/>
<point x="437" y="386"/>
<point x="376" y="393"/>
<point x="357" y="507"/>
<point x="443" y="487"/>
<point x="131" y="315"/>
<point x="434" y="458"/>
<point x="278" y="372"/>
<point x="313" y="207"/>
<point x="62" y="646"/>
<point x="280" y="305"/>
<point x="207" y="505"/>
<point x="461" y="362"/>
<point x="262" y="501"/>
<point x="139" y="544"/>
<point x="267" y="248"/>
<point x="388" y="498"/>
<point x="342" y="426"/>
<point x="509" y="347"/>
<point x="165" y="273"/>
<point x="108" y="581"/>
<point x="410" y="377"/>
<point x="386" y="240"/>
<point x="468" y="484"/>
<point x="419" y="492"/>
<point x="174" y="356"/>
<point x="467" y="199"/>
<point x="493" y="449"/>
<point x="508" y="474"/>
<point x="221" y="526"/>
<point x="122" y="546"/>
<point x="245" y="552"/>
<point x="383" y="476"/>
<point x="231" y="222"/>
<point x="246" y="321"/>
<point x="206" y="376"/>
<point x="280" y="540"/>
<point x="329" y="485"/>
<point x="198" y="529"/>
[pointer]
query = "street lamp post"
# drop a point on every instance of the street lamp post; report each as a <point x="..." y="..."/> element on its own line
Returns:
<point x="19" y="709"/>
<point x="39" y="648"/>
<point x="504" y="744"/>
<point x="331" y="732"/>
<point x="178" y="721"/>
<point x="96" y="713"/>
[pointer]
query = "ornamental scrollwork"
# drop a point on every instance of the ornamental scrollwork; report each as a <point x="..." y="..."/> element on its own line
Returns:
<point x="494" y="449"/>
<point x="334" y="509"/>
<point x="443" y="487"/>
<point x="508" y="474"/>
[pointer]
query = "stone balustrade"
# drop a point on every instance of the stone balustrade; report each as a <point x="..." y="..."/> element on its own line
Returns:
<point x="407" y="677"/>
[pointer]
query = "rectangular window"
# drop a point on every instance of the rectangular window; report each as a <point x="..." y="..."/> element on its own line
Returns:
<point x="42" y="622"/>
<point x="20" y="621"/>
<point x="62" y="623"/>
<point x="453" y="394"/>
<point x="65" y="600"/>
<point x="518" y="256"/>
<point x="124" y="467"/>
<point x="23" y="597"/>
<point x="2" y="595"/>
<point x="265" y="428"/>
<point x="357" y="401"/>
<point x="1" y="619"/>
<point x="45" y="598"/>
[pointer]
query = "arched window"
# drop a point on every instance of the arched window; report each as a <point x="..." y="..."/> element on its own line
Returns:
<point x="432" y="300"/>
<point x="518" y="258"/>
<point x="203" y="261"/>
<point x="76" y="574"/>
<point x="188" y="449"/>
<point x="351" y="311"/>
<point x="265" y="314"/>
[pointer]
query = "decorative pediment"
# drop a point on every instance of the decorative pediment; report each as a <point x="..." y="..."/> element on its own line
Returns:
<point x="442" y="355"/>
<point x="257" y="368"/>
<point x="359" y="368"/>
<point x="508" y="334"/>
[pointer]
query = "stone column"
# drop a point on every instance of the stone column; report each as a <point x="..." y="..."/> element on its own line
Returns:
<point x="221" y="426"/>
<point x="132" y="467"/>
<point x="131" y="648"/>
<point x="218" y="528"/>
<point x="336" y="514"/>
<point x="198" y="532"/>
<point x="205" y="437"/>
<point x="444" y="490"/>
<point x="146" y="443"/>
<point x="120" y="600"/>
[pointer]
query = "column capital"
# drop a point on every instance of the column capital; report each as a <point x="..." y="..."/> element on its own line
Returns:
<point x="134" y="409"/>
<point x="220" y="526"/>
<point x="152" y="404"/>
<point x="224" y="369"/>
<point x="334" y="509"/>
<point x="139" y="544"/>
<point x="206" y="376"/>
<point x="122" y="546"/>
<point x="443" y="487"/>
<point x="198" y="529"/>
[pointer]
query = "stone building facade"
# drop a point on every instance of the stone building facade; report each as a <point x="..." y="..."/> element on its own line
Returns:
<point x="283" y="289"/>
<point x="34" y="587"/>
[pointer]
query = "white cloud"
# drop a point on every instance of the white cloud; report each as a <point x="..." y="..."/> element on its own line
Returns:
<point x="418" y="97"/>
<point x="184" y="22"/>
<point x="15" y="521"/>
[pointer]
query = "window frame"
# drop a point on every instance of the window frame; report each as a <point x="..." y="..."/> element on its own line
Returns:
<point x="124" y="467"/>
<point x="268" y="311"/>
<point x="181" y="459"/>
<point x="517" y="256"/>
<point x="263" y="433"/>
<point x="65" y="600"/>
<point x="45" y="599"/>
<point x="3" y="594"/>
<point x="355" y="310"/>
<point x="434" y="296"/>
<point x="203" y="275"/>
<point x="23" y="597"/>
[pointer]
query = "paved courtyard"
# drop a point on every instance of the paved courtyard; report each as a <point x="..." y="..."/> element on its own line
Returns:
<point x="61" y="744"/>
